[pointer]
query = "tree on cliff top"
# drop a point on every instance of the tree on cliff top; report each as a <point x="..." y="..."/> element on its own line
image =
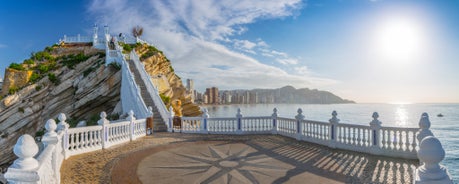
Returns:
<point x="137" y="31"/>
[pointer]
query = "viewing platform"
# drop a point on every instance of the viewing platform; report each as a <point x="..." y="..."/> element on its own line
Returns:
<point x="192" y="158"/>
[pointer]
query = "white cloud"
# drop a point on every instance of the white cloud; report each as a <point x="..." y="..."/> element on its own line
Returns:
<point x="191" y="34"/>
<point x="3" y="46"/>
<point x="302" y="70"/>
<point x="287" y="61"/>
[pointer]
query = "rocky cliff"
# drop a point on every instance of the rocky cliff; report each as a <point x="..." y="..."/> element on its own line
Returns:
<point x="63" y="79"/>
<point x="162" y="74"/>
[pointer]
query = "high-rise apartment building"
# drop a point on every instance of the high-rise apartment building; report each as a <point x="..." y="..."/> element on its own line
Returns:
<point x="212" y="95"/>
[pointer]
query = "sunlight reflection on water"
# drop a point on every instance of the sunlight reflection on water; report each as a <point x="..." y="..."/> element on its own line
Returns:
<point x="401" y="116"/>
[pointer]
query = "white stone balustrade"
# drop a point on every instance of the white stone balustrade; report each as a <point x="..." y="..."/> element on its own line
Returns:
<point x="374" y="139"/>
<point x="44" y="167"/>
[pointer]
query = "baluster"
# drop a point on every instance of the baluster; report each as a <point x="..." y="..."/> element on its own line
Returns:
<point x="413" y="144"/>
<point x="85" y="141"/>
<point x="218" y="125"/>
<point x="383" y="139"/>
<point x="258" y="127"/>
<point x="72" y="142"/>
<point x="365" y="137"/>
<point x="347" y="137"/>
<point x="358" y="137"/>
<point x="353" y="136"/>
<point x="401" y="144"/>
<point x="407" y="141"/>
<point x="77" y="141"/>
<point x="91" y="138"/>
<point x="391" y="139"/>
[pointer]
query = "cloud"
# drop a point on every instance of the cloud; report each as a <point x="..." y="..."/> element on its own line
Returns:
<point x="200" y="38"/>
<point x="3" y="46"/>
<point x="302" y="70"/>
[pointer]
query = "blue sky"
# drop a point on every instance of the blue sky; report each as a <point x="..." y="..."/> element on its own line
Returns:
<point x="368" y="51"/>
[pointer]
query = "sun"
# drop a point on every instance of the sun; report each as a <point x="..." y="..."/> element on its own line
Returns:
<point x="399" y="40"/>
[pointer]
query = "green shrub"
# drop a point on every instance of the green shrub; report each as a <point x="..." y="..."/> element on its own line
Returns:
<point x="72" y="122"/>
<point x="40" y="133"/>
<point x="54" y="79"/>
<point x="21" y="109"/>
<point x="43" y="68"/>
<point x="12" y="90"/>
<point x="49" y="49"/>
<point x="165" y="98"/>
<point x="93" y="120"/>
<point x="71" y="60"/>
<point x="115" y="65"/>
<point x="38" y="88"/>
<point x="113" y="117"/>
<point x="34" y="77"/>
<point x="43" y="55"/>
<point x="88" y="71"/>
<point x="16" y="66"/>
<point x="29" y="61"/>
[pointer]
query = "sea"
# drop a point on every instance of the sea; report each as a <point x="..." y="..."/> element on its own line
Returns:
<point x="445" y="128"/>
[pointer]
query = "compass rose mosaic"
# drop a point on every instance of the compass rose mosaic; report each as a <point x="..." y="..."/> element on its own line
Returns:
<point x="211" y="163"/>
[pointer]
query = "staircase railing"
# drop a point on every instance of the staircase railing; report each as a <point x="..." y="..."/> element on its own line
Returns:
<point x="131" y="99"/>
<point x="151" y="88"/>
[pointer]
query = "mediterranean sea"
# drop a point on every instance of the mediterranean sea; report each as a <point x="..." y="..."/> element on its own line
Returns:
<point x="445" y="128"/>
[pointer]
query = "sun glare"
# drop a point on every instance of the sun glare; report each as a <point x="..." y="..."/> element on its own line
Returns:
<point x="399" y="40"/>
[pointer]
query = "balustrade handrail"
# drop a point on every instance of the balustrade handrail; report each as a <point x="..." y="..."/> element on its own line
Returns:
<point x="351" y="136"/>
<point x="85" y="128"/>
<point x="77" y="39"/>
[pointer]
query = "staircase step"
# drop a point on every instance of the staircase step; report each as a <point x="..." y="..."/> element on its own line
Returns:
<point x="159" y="124"/>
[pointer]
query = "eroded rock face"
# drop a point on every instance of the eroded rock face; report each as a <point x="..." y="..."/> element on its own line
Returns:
<point x="15" y="79"/>
<point x="168" y="82"/>
<point x="78" y="95"/>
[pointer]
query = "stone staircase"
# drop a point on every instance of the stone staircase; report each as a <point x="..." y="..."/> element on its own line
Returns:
<point x="158" y="123"/>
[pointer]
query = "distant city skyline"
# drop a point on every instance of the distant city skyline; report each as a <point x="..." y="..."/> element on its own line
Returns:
<point x="383" y="51"/>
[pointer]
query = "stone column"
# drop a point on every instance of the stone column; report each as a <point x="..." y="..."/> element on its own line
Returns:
<point x="332" y="130"/>
<point x="171" y="117"/>
<point x="424" y="127"/>
<point x="107" y="35"/>
<point x="95" y="35"/>
<point x="24" y="169"/>
<point x="131" y="119"/>
<point x="239" y="121"/>
<point x="51" y="138"/>
<point x="62" y="128"/>
<point x="274" y="118"/>
<point x="149" y="121"/>
<point x="105" y="134"/>
<point x="431" y="153"/>
<point x="299" y="118"/>
<point x="375" y="126"/>
<point x="205" y="116"/>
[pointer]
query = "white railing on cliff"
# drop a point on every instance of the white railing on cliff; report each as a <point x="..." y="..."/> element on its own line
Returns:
<point x="152" y="90"/>
<point x="411" y="143"/>
<point x="61" y="142"/>
<point x="77" y="39"/>
<point x="131" y="98"/>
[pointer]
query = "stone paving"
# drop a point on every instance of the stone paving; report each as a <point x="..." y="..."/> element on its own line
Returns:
<point x="187" y="158"/>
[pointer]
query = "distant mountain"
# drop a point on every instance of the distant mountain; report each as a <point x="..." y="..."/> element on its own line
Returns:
<point x="286" y="94"/>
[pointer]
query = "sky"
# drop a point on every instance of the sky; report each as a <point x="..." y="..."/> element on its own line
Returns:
<point x="383" y="51"/>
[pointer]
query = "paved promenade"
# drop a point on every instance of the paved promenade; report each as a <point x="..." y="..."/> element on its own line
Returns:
<point x="185" y="158"/>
